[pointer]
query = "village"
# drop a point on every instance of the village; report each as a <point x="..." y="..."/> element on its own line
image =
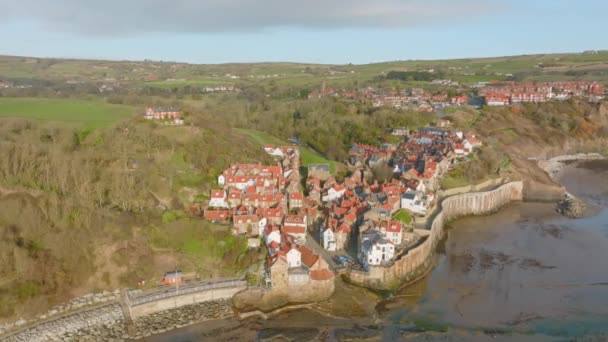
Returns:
<point x="314" y="229"/>
<point x="497" y="93"/>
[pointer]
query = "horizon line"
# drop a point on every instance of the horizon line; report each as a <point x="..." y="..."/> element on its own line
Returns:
<point x="146" y="60"/>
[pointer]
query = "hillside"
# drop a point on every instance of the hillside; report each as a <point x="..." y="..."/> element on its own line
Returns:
<point x="579" y="66"/>
<point x="92" y="197"/>
<point x="84" y="210"/>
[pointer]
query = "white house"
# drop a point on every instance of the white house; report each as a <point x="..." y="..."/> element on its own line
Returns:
<point x="261" y="225"/>
<point x="421" y="187"/>
<point x="273" y="236"/>
<point x="329" y="240"/>
<point x="221" y="180"/>
<point x="394" y="232"/>
<point x="375" y="249"/>
<point x="294" y="258"/>
<point x="334" y="193"/>
<point x="413" y="202"/>
<point x="218" y="199"/>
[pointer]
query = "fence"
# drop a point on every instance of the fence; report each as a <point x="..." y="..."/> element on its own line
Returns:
<point x="134" y="298"/>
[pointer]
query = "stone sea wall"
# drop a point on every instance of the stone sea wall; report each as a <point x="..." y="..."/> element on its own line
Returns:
<point x="269" y="299"/>
<point x="97" y="324"/>
<point x="165" y="302"/>
<point x="163" y="321"/>
<point x="87" y="300"/>
<point x="111" y="316"/>
<point x="419" y="259"/>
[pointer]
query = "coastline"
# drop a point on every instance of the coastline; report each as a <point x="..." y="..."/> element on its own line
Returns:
<point x="553" y="167"/>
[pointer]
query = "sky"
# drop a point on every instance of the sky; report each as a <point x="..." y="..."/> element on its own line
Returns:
<point x="315" y="31"/>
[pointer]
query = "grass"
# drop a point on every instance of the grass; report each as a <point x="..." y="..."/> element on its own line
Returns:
<point x="403" y="216"/>
<point x="454" y="179"/>
<point x="307" y="155"/>
<point x="89" y="113"/>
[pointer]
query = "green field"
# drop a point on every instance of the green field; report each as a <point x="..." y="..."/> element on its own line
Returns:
<point x="403" y="216"/>
<point x="307" y="155"/>
<point x="89" y="113"/>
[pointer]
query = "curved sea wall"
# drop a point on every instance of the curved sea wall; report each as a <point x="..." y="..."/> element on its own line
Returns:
<point x="418" y="260"/>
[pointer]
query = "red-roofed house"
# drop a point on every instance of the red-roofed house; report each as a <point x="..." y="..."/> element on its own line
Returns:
<point x="217" y="215"/>
<point x="234" y="198"/>
<point x="273" y="215"/>
<point x="394" y="232"/>
<point x="218" y="199"/>
<point x="295" y="231"/>
<point x="296" y="200"/>
<point x="296" y="220"/>
<point x="245" y="224"/>
<point x="497" y="99"/>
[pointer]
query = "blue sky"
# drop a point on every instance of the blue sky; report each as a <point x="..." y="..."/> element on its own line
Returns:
<point x="320" y="31"/>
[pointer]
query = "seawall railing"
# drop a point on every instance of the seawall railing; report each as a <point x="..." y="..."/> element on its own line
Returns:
<point x="135" y="298"/>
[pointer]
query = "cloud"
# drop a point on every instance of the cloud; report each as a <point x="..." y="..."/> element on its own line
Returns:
<point x="110" y="17"/>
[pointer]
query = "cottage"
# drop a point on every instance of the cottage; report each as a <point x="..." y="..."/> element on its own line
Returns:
<point x="334" y="193"/>
<point x="394" y="232"/>
<point x="375" y="249"/>
<point x="412" y="201"/>
<point x="218" y="199"/>
<point x="246" y="224"/>
<point x="296" y="200"/>
<point x="294" y="257"/>
<point x="329" y="239"/>
<point x="217" y="215"/>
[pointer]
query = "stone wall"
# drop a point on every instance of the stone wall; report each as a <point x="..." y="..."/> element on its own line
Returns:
<point x="413" y="264"/>
<point x="489" y="184"/>
<point x="80" y="303"/>
<point x="108" y="320"/>
<point x="101" y="323"/>
<point x="270" y="299"/>
<point x="176" y="301"/>
<point x="163" y="321"/>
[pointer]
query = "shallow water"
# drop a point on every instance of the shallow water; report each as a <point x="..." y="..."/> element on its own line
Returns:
<point x="525" y="271"/>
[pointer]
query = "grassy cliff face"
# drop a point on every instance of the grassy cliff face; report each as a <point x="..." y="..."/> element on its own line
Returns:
<point x="514" y="137"/>
<point x="80" y="209"/>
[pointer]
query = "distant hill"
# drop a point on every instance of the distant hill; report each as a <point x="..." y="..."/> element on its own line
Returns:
<point x="590" y="65"/>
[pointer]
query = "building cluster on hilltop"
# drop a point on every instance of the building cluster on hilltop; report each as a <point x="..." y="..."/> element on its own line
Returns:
<point x="509" y="93"/>
<point x="413" y="98"/>
<point x="266" y="202"/>
<point x="168" y="116"/>
<point x="354" y="213"/>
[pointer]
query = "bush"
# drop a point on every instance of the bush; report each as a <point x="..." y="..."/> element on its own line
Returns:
<point x="171" y="215"/>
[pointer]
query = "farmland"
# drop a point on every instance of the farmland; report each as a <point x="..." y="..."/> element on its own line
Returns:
<point x="89" y="113"/>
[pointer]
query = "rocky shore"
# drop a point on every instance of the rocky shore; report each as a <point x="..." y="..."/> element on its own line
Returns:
<point x="555" y="165"/>
<point x="186" y="315"/>
<point x="571" y="206"/>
